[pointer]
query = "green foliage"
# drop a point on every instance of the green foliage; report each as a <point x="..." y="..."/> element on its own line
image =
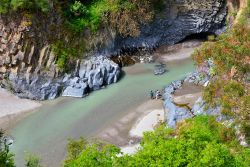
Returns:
<point x="82" y="15"/>
<point x="248" y="8"/>
<point x="229" y="87"/>
<point x="87" y="154"/>
<point x="32" y="5"/>
<point x="42" y="5"/>
<point x="200" y="141"/>
<point x="75" y="148"/>
<point x="116" y="13"/>
<point x="32" y="160"/>
<point x="6" y="158"/>
<point x="4" y="7"/>
<point x="78" y="8"/>
<point x="68" y="51"/>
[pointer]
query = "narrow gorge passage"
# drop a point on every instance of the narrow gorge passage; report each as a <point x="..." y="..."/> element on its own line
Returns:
<point x="46" y="131"/>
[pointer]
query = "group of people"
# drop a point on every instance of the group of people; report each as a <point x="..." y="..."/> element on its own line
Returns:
<point x="155" y="95"/>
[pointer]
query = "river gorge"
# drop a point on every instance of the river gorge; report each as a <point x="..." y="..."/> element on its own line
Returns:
<point x="104" y="94"/>
<point x="46" y="131"/>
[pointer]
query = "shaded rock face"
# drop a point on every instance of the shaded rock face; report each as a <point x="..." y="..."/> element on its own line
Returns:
<point x="174" y="113"/>
<point x="180" y="19"/>
<point x="28" y="62"/>
<point x="24" y="49"/>
<point x="93" y="74"/>
<point x="201" y="77"/>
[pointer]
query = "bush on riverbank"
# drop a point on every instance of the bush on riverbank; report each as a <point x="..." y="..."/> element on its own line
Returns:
<point x="201" y="141"/>
<point x="6" y="158"/>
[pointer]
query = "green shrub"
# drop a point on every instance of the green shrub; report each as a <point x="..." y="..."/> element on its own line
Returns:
<point x="200" y="141"/>
<point x="31" y="5"/>
<point x="32" y="160"/>
<point x="6" y="158"/>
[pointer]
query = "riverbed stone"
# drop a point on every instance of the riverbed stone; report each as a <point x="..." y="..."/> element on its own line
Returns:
<point x="94" y="74"/>
<point x="75" y="91"/>
<point x="175" y="114"/>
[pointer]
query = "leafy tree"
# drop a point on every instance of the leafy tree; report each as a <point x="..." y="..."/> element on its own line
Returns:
<point x="96" y="154"/>
<point x="78" y="8"/>
<point x="201" y="141"/>
<point x="6" y="158"/>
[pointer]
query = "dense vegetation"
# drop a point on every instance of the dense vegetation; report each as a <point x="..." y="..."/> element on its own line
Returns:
<point x="123" y="15"/>
<point x="229" y="87"/>
<point x="201" y="141"/>
<point x="31" y="5"/>
<point x="84" y="18"/>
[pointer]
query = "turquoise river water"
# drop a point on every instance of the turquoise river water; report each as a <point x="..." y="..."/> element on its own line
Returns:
<point x="45" y="132"/>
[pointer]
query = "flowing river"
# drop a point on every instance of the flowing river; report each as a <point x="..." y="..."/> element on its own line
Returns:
<point x="45" y="132"/>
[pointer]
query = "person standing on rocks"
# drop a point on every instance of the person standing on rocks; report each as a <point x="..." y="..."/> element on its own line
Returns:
<point x="158" y="94"/>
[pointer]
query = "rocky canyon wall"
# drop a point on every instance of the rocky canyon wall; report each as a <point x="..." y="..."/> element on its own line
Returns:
<point x="28" y="63"/>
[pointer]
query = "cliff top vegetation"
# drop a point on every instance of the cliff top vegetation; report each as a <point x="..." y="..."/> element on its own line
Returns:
<point x="81" y="18"/>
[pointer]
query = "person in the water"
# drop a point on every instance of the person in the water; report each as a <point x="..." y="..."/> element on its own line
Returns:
<point x="151" y="94"/>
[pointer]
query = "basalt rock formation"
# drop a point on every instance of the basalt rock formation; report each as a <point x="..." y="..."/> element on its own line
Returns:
<point x="28" y="63"/>
<point x="178" y="20"/>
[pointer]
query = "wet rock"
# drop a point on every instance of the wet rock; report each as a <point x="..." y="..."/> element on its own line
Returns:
<point x="50" y="91"/>
<point x="175" y="85"/>
<point x="78" y="90"/>
<point x="36" y="88"/>
<point x="175" y="114"/>
<point x="93" y="75"/>
<point x="100" y="71"/>
<point x="200" y="108"/>
<point x="160" y="69"/>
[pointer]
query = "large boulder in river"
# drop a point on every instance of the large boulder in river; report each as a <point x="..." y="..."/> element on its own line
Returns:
<point x="99" y="71"/>
<point x="93" y="74"/>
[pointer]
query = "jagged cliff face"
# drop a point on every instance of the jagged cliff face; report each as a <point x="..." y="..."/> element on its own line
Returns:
<point x="28" y="61"/>
<point x="179" y="19"/>
<point x="24" y="49"/>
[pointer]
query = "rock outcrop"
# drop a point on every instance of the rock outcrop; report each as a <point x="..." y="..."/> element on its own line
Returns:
<point x="92" y="74"/>
<point x="174" y="113"/>
<point x="179" y="19"/>
<point x="29" y="64"/>
<point x="200" y="77"/>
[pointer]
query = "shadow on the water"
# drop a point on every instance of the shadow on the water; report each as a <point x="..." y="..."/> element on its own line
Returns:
<point x="122" y="75"/>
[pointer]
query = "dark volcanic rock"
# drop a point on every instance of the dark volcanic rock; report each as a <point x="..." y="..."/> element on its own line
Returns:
<point x="93" y="74"/>
<point x="28" y="59"/>
<point x="180" y="19"/>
